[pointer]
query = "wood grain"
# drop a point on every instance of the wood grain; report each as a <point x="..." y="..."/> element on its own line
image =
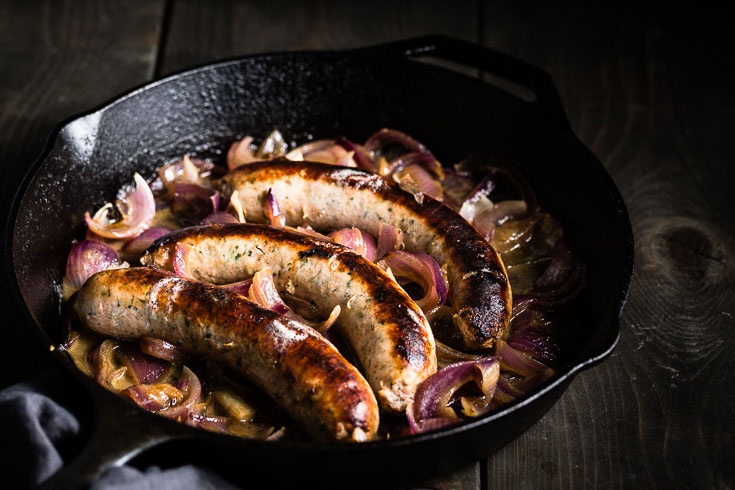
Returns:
<point x="647" y="89"/>
<point x="60" y="59"/>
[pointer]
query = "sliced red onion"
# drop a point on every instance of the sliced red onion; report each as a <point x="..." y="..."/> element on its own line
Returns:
<point x="273" y="212"/>
<point x="300" y="153"/>
<point x="241" y="153"/>
<point x="370" y="249"/>
<point x="386" y="137"/>
<point x="434" y="394"/>
<point x="219" y="217"/>
<point x="389" y="238"/>
<point x="354" y="239"/>
<point x="191" y="387"/>
<point x="161" y="349"/>
<point x="486" y="221"/>
<point x="418" y="427"/>
<point x="181" y="260"/>
<point x="104" y="363"/>
<point x="263" y="292"/>
<point x="415" y="177"/>
<point x="87" y="258"/>
<point x="192" y="203"/>
<point x="361" y="155"/>
<point x="483" y="189"/>
<point x="422" y="269"/>
<point x="137" y="211"/>
<point x="537" y="343"/>
<point x="308" y="230"/>
<point x="135" y="247"/>
<point x="241" y="287"/>
<point x="185" y="170"/>
<point x="472" y="208"/>
<point x="145" y="369"/>
<point x="324" y="151"/>
<point x="509" y="388"/>
<point x="448" y="355"/>
<point x="212" y="423"/>
<point x="421" y="159"/>
<point x="153" y="397"/>
<point x="516" y="361"/>
<point x="561" y="283"/>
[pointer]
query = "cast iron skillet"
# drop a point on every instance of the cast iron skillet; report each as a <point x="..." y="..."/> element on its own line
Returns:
<point x="323" y="94"/>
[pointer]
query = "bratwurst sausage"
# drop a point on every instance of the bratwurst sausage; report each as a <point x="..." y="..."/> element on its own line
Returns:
<point x="387" y="330"/>
<point x="329" y="197"/>
<point x="297" y="367"/>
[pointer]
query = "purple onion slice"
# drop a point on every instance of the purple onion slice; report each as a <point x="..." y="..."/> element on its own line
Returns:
<point x="137" y="211"/>
<point x="416" y="177"/>
<point x="434" y="395"/>
<point x="219" y="217"/>
<point x="273" y="212"/>
<point x="86" y="258"/>
<point x="389" y="238"/>
<point x="516" y="361"/>
<point x="161" y="349"/>
<point x="360" y="156"/>
<point x="192" y="203"/>
<point x="422" y="269"/>
<point x="135" y="247"/>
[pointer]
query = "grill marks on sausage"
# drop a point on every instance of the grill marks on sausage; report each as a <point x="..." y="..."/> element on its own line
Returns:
<point x="300" y="370"/>
<point x="394" y="340"/>
<point x="479" y="288"/>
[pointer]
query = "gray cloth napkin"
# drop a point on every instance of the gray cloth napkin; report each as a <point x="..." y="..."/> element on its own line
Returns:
<point x="38" y="435"/>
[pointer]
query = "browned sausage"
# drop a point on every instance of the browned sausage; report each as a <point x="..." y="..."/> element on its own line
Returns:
<point x="296" y="366"/>
<point x="328" y="197"/>
<point x="387" y="330"/>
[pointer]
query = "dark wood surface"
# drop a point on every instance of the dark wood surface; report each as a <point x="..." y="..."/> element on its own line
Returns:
<point x="649" y="89"/>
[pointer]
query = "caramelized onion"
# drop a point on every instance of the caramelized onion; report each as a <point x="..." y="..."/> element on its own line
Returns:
<point x="273" y="212"/>
<point x="361" y="156"/>
<point x="414" y="177"/>
<point x="181" y="260"/>
<point x="219" y="217"/>
<point x="264" y="292"/>
<point x="516" y="361"/>
<point x="389" y="238"/>
<point x="435" y="394"/>
<point x="241" y="153"/>
<point x="192" y="203"/>
<point x="423" y="160"/>
<point x="191" y="387"/>
<point x="386" y="137"/>
<point x="135" y="247"/>
<point x="161" y="349"/>
<point x="422" y="269"/>
<point x="137" y="211"/>
<point x="87" y="258"/>
<point x="486" y="221"/>
<point x="241" y="287"/>
<point x="357" y="240"/>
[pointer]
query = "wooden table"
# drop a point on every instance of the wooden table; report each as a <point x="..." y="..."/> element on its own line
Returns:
<point x="648" y="89"/>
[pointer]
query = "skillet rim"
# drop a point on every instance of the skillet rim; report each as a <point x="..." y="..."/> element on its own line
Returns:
<point x="565" y="376"/>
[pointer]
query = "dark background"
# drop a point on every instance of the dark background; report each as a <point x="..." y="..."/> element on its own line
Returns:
<point x="648" y="88"/>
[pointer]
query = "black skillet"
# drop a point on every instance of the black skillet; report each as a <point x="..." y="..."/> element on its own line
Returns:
<point x="320" y="94"/>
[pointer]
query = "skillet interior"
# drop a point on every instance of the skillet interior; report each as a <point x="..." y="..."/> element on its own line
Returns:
<point x="325" y="95"/>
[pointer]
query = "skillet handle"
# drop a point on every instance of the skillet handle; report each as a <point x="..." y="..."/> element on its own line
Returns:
<point x="543" y="98"/>
<point x="121" y="431"/>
